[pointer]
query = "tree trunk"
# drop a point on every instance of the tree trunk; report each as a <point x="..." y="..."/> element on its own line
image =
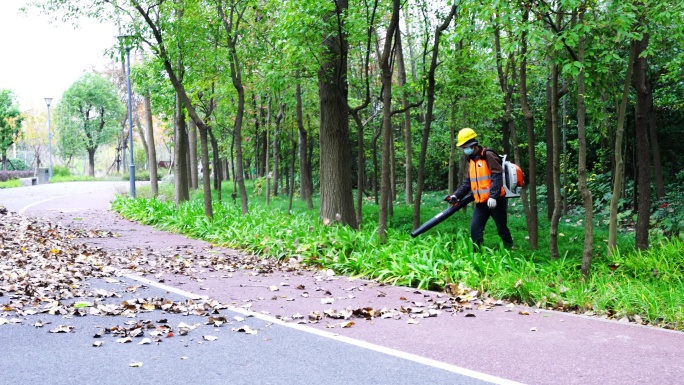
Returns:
<point x="206" y="181"/>
<point x="643" y="158"/>
<point x="267" y="163"/>
<point x="555" y="134"/>
<point x="548" y="179"/>
<point x="180" y="178"/>
<point x="361" y="167"/>
<point x="618" y="177"/>
<point x="337" y="202"/>
<point x="584" y="191"/>
<point x="192" y="151"/>
<point x="216" y="162"/>
<point x="276" y="148"/>
<point x="152" y="151"/>
<point x="375" y="183"/>
<point x="91" y="162"/>
<point x="386" y="71"/>
<point x="428" y="115"/>
<point x="453" y="177"/>
<point x="655" y="147"/>
<point x="236" y="78"/>
<point x="304" y="174"/>
<point x="406" y="124"/>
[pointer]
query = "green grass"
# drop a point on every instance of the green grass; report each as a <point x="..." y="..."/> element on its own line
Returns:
<point x="10" y="183"/>
<point x="626" y="284"/>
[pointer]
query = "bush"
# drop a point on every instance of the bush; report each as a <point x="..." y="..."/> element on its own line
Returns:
<point x="141" y="176"/>
<point x="60" y="171"/>
<point x="17" y="164"/>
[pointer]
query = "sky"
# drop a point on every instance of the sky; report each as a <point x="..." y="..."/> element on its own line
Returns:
<point x="40" y="59"/>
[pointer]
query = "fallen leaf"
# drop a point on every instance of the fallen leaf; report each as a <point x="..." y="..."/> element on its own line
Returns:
<point x="347" y="324"/>
<point x="210" y="338"/>
<point x="525" y="312"/>
<point x="145" y="341"/>
<point x="97" y="344"/>
<point x="62" y="329"/>
<point x="245" y="329"/>
<point x="135" y="364"/>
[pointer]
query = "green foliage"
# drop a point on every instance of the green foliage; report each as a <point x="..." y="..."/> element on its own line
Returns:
<point x="88" y="115"/>
<point x="141" y="176"/>
<point x="10" y="183"/>
<point x="61" y="171"/>
<point x="72" y="178"/>
<point x="10" y="120"/>
<point x="17" y="164"/>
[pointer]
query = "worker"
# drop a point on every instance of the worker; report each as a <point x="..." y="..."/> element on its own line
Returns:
<point x="485" y="180"/>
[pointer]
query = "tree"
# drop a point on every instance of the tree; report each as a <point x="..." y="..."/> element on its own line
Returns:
<point x="10" y="123"/>
<point x="336" y="186"/>
<point x="89" y="113"/>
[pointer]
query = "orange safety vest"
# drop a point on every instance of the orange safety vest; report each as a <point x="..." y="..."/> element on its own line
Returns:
<point x="481" y="178"/>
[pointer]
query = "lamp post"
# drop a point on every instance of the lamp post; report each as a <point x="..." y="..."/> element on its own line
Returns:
<point x="131" y="166"/>
<point x="48" y="101"/>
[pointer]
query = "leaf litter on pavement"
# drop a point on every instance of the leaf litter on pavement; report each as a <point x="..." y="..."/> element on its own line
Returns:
<point x="44" y="269"/>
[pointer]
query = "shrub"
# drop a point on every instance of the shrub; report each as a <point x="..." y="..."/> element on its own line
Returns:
<point x="17" y="164"/>
<point x="60" y="171"/>
<point x="141" y="176"/>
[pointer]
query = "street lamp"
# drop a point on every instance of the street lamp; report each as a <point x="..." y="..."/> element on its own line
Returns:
<point x="131" y="166"/>
<point x="48" y="101"/>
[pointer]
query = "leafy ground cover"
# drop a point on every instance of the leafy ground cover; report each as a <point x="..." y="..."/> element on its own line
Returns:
<point x="642" y="287"/>
<point x="10" y="183"/>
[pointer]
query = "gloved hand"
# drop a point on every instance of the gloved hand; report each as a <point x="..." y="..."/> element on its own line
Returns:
<point x="491" y="202"/>
<point x="451" y="199"/>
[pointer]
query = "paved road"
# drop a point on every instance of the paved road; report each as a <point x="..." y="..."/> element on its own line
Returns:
<point x="498" y="345"/>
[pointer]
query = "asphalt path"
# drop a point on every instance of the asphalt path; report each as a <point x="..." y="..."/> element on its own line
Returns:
<point x="279" y="353"/>
<point x="502" y="344"/>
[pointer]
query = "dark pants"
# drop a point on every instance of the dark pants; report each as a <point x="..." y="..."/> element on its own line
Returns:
<point x="481" y="216"/>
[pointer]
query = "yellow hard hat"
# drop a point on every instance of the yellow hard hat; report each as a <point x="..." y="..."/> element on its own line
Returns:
<point x="465" y="135"/>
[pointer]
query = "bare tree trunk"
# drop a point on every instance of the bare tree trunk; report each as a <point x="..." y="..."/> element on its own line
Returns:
<point x="337" y="202"/>
<point x="304" y="174"/>
<point x="618" y="177"/>
<point x="230" y="24"/>
<point x="408" y="164"/>
<point x="276" y="148"/>
<point x="452" y="152"/>
<point x="268" y="138"/>
<point x="643" y="158"/>
<point x="152" y="151"/>
<point x="192" y="151"/>
<point x="386" y="71"/>
<point x="584" y="191"/>
<point x="91" y="162"/>
<point x="206" y="180"/>
<point x="548" y="179"/>
<point x="555" y="134"/>
<point x="180" y="177"/>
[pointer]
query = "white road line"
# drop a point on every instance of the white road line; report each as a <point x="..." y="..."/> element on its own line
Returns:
<point x="336" y="337"/>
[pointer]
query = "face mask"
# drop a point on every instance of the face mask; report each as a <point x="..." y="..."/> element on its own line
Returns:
<point x="468" y="150"/>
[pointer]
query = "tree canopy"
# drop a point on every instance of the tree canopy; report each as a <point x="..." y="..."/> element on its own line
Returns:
<point x="88" y="115"/>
